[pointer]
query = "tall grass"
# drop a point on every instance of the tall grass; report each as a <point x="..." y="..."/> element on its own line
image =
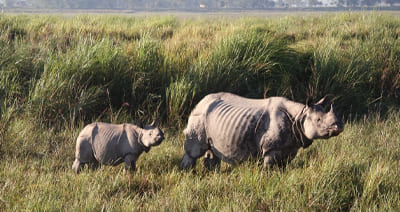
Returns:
<point x="62" y="67"/>
<point x="58" y="73"/>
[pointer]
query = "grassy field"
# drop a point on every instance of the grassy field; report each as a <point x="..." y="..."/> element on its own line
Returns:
<point x="60" y="72"/>
<point x="358" y="170"/>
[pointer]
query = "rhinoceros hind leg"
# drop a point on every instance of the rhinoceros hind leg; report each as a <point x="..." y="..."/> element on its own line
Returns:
<point x="94" y="164"/>
<point x="84" y="151"/>
<point x="211" y="161"/>
<point x="187" y="162"/>
<point x="77" y="166"/>
<point x="195" y="147"/>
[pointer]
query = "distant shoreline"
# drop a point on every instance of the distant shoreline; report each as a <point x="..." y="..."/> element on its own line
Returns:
<point x="201" y="11"/>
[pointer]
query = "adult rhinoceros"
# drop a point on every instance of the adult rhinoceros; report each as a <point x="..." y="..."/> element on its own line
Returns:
<point x="112" y="144"/>
<point x="234" y="128"/>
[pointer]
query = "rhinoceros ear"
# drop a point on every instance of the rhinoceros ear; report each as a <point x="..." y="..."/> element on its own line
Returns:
<point x="325" y="100"/>
<point x="154" y="123"/>
<point x="309" y="101"/>
<point x="139" y="123"/>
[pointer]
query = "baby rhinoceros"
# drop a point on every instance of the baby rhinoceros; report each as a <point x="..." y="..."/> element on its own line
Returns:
<point x="111" y="144"/>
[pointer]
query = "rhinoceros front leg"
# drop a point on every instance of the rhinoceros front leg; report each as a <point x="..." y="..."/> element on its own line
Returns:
<point x="130" y="163"/>
<point x="273" y="158"/>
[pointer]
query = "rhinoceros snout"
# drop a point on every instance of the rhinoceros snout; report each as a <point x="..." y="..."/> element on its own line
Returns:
<point x="336" y="129"/>
<point x="159" y="138"/>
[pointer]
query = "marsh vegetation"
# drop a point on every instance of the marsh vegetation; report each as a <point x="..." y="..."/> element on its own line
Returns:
<point x="58" y="73"/>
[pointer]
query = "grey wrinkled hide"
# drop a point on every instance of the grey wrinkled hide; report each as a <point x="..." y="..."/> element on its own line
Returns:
<point x="233" y="128"/>
<point x="111" y="144"/>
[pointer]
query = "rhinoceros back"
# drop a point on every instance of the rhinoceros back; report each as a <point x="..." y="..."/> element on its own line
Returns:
<point x="110" y="143"/>
<point x="231" y="127"/>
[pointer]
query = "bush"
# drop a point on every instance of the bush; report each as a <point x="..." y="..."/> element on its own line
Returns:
<point x="80" y="83"/>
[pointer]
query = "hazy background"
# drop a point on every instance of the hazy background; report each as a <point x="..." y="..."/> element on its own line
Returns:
<point x="198" y="5"/>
